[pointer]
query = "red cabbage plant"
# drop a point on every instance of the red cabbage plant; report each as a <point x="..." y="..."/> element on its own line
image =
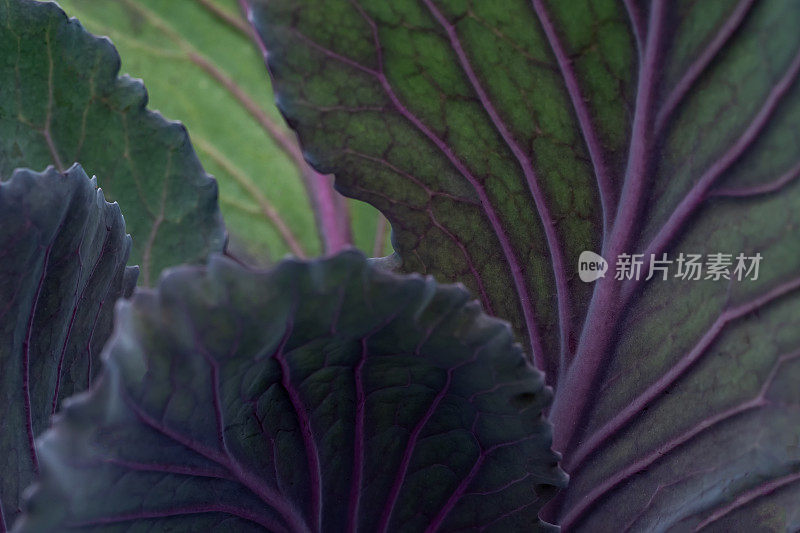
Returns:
<point x="614" y="181"/>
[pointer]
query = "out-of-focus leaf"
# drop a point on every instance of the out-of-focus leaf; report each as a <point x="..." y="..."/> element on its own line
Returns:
<point x="62" y="102"/>
<point x="202" y="66"/>
<point x="504" y="138"/>
<point x="321" y="396"/>
<point x="63" y="250"/>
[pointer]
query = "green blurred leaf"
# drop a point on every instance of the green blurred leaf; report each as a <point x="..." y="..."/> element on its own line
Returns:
<point x="502" y="139"/>
<point x="63" y="251"/>
<point x="202" y="66"/>
<point x="61" y="102"/>
<point x="321" y="396"/>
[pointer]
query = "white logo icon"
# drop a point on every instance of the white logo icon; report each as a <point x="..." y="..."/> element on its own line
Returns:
<point x="591" y="266"/>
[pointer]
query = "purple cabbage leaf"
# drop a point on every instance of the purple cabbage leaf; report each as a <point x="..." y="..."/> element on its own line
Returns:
<point x="503" y="139"/>
<point x="328" y="395"/>
<point x="63" y="251"/>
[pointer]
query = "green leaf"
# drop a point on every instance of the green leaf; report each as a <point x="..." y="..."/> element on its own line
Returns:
<point x="406" y="131"/>
<point x="502" y="139"/>
<point x="202" y="66"/>
<point x="61" y="101"/>
<point x="320" y="396"/>
<point x="63" y="254"/>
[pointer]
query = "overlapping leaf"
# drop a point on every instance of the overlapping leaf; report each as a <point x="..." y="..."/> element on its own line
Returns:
<point x="203" y="67"/>
<point x="439" y="129"/>
<point x="502" y="139"/>
<point x="322" y="396"/>
<point x="63" y="250"/>
<point x="62" y="102"/>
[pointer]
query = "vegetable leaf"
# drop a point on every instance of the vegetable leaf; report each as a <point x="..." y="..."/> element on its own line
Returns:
<point x="63" y="259"/>
<point x="321" y="396"/>
<point x="61" y="101"/>
<point x="449" y="148"/>
<point x="502" y="139"/>
<point x="202" y="66"/>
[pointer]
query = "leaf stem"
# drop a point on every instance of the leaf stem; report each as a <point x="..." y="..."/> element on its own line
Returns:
<point x="330" y="208"/>
<point x="574" y="396"/>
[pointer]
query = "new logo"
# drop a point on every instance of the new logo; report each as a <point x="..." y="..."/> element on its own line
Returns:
<point x="591" y="266"/>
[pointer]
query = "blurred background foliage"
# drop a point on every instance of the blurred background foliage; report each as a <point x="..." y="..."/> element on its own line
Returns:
<point x="201" y="66"/>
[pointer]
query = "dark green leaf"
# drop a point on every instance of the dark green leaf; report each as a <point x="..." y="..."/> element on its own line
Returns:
<point x="202" y="66"/>
<point x="322" y="396"/>
<point x="503" y="138"/>
<point x="454" y="149"/>
<point x="61" y="101"/>
<point x="63" y="251"/>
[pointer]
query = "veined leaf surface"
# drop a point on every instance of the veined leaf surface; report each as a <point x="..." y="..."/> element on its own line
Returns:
<point x="321" y="396"/>
<point x="62" y="102"/>
<point x="63" y="250"/>
<point x="502" y="139"/>
<point x="202" y="66"/>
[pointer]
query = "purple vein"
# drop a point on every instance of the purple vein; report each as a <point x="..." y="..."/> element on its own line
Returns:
<point x="582" y="111"/>
<point x="588" y="501"/>
<point x="330" y="208"/>
<point x="635" y="16"/>
<point x="700" y="64"/>
<point x="26" y="363"/>
<point x="764" y="489"/>
<point x="570" y="405"/>
<point x="505" y="242"/>
<point x="267" y="494"/>
<point x="410" y="177"/>
<point x="270" y="525"/>
<point x="78" y="299"/>
<point x="598" y="492"/>
<point x="699" y="192"/>
<point x="461" y="488"/>
<point x="482" y="292"/>
<point x="637" y="405"/>
<point x="219" y="417"/>
<point x="303" y="420"/>
<point x="660" y="487"/>
<point x="331" y="211"/>
<point x="164" y="468"/>
<point x="763" y="188"/>
<point x="356" y="483"/>
<point x="531" y="503"/>
<point x="531" y="177"/>
<point x="641" y="139"/>
<point x="88" y="349"/>
<point x="402" y="470"/>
